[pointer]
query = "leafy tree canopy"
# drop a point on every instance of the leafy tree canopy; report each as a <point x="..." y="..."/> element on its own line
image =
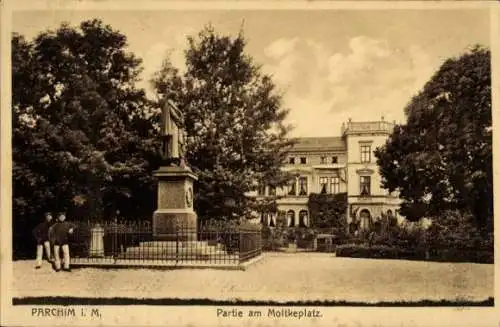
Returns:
<point x="328" y="210"/>
<point x="82" y="133"/>
<point x="442" y="157"/>
<point x="234" y="121"/>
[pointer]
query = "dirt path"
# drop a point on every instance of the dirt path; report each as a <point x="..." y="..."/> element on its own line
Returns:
<point x="278" y="277"/>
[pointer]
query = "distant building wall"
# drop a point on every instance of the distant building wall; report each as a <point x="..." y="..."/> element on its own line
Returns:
<point x="338" y="164"/>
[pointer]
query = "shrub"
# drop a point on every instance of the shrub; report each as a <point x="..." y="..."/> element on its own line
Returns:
<point x="389" y="252"/>
<point x="457" y="255"/>
<point x="305" y="237"/>
<point x="274" y="238"/>
<point x="452" y="237"/>
<point x="378" y="252"/>
<point x="279" y="237"/>
<point x="398" y="236"/>
<point x="454" y="230"/>
<point x="328" y="210"/>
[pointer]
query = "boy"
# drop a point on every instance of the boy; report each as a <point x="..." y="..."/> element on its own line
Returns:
<point x="41" y="234"/>
<point x="59" y="234"/>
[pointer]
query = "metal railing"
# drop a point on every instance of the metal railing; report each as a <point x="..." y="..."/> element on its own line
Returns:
<point x="366" y="127"/>
<point x="133" y="243"/>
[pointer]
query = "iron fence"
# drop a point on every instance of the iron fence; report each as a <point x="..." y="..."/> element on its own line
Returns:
<point x="134" y="243"/>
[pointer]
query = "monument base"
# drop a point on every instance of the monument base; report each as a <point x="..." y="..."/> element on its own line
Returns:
<point x="175" y="219"/>
<point x="173" y="225"/>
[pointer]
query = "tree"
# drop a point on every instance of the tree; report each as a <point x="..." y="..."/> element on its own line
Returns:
<point x="442" y="157"/>
<point x="328" y="210"/>
<point x="82" y="133"/>
<point x="234" y="122"/>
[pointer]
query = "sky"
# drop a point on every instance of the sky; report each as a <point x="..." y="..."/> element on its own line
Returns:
<point x="331" y="65"/>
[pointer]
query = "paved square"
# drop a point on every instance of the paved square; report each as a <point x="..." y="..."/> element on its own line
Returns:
<point x="277" y="277"/>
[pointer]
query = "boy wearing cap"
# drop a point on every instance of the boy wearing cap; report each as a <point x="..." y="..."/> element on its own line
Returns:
<point x="59" y="234"/>
<point x="41" y="234"/>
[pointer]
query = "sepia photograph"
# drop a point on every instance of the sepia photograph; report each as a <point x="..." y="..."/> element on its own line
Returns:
<point x="265" y="164"/>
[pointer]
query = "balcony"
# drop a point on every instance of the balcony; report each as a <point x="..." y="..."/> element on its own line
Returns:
<point x="382" y="126"/>
<point x="329" y="166"/>
<point x="298" y="168"/>
<point x="293" y="199"/>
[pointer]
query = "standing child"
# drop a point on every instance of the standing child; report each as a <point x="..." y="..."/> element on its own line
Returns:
<point x="59" y="233"/>
<point x="41" y="234"/>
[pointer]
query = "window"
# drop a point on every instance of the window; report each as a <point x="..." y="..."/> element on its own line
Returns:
<point x="335" y="160"/>
<point x="303" y="218"/>
<point x="365" y="219"/>
<point x="335" y="185"/>
<point x="365" y="182"/>
<point x="366" y="153"/>
<point x="280" y="219"/>
<point x="303" y="160"/>
<point x="393" y="221"/>
<point x="261" y="191"/>
<point x="271" y="221"/>
<point x="272" y="190"/>
<point x="292" y="187"/>
<point x="291" y="160"/>
<point x="303" y="186"/>
<point x="264" y="219"/>
<point x="323" y="160"/>
<point x="291" y="218"/>
<point x="323" y="184"/>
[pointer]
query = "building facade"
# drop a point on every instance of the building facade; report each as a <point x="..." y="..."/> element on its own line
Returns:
<point x="342" y="164"/>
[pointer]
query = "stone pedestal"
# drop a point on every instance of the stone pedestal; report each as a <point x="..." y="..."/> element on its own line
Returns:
<point x="175" y="218"/>
<point x="97" y="241"/>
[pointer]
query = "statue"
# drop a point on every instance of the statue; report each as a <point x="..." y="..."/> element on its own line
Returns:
<point x="175" y="182"/>
<point x="172" y="135"/>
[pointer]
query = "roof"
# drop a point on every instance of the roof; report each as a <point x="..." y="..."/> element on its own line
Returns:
<point x="319" y="143"/>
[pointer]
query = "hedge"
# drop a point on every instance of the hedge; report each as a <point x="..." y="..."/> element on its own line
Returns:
<point x="388" y="252"/>
<point x="280" y="237"/>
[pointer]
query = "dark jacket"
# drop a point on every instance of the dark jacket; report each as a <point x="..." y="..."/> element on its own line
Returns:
<point x="59" y="232"/>
<point x="41" y="232"/>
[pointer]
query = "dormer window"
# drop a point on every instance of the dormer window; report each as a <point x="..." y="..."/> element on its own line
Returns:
<point x="291" y="160"/>
<point x="303" y="160"/>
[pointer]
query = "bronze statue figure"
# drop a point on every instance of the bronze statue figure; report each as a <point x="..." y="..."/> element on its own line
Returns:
<point x="172" y="134"/>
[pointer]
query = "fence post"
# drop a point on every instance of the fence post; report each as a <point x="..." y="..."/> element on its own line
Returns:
<point x="240" y="245"/>
<point x="176" y="244"/>
<point x="259" y="241"/>
<point x="115" y="239"/>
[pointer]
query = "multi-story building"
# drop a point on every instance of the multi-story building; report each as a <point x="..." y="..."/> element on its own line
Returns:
<point x="341" y="164"/>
